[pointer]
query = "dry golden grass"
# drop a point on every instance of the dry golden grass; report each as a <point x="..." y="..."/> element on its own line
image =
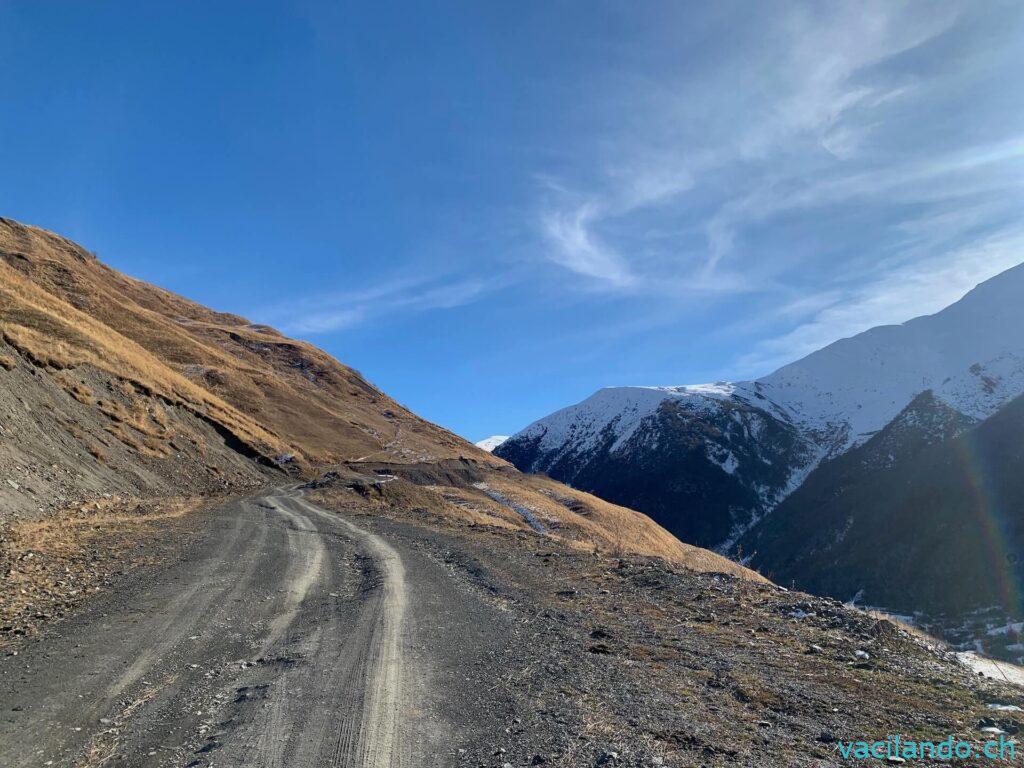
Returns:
<point x="121" y="433"/>
<point x="67" y="532"/>
<point x="917" y="632"/>
<point x="114" y="411"/>
<point x="159" y="417"/>
<point x="7" y="362"/>
<point x="144" y="420"/>
<point x="158" y="449"/>
<point x="61" y="337"/>
<point x="589" y="521"/>
<point x="474" y="506"/>
<point x="578" y="519"/>
<point x="75" y="388"/>
<point x="58" y="561"/>
<point x="148" y="421"/>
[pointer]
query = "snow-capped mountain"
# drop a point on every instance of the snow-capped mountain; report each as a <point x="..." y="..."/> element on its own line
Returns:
<point x="492" y="442"/>
<point x="709" y="461"/>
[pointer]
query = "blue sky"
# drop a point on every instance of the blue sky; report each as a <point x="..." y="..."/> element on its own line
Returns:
<point x="493" y="209"/>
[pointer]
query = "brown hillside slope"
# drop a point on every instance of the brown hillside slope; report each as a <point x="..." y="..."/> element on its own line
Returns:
<point x="284" y="396"/>
<point x="109" y="384"/>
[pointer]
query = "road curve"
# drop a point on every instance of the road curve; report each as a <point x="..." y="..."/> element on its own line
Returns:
<point x="280" y="640"/>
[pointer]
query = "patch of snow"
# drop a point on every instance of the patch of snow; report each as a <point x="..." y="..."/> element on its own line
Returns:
<point x="997" y="670"/>
<point x="580" y="428"/>
<point x="1015" y="626"/>
<point x="526" y="513"/>
<point x="718" y="389"/>
<point x="723" y="457"/>
<point x="492" y="442"/>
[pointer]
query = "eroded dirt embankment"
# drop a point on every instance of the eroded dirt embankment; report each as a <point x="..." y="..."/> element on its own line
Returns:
<point x="77" y="435"/>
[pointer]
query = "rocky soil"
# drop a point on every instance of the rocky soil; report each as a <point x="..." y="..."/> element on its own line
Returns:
<point x="529" y="651"/>
<point x="632" y="661"/>
<point x="50" y="567"/>
<point x="78" y="435"/>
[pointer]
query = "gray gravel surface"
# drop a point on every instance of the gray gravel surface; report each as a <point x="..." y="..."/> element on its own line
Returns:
<point x="285" y="635"/>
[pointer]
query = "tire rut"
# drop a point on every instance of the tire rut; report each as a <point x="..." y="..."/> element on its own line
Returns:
<point x="278" y="642"/>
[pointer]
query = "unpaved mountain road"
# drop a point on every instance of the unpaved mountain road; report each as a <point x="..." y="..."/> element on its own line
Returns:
<point x="281" y="634"/>
<point x="286" y="635"/>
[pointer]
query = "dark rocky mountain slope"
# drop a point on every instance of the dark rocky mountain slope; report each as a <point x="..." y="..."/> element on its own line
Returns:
<point x="710" y="461"/>
<point x="926" y="516"/>
<point x="695" y="468"/>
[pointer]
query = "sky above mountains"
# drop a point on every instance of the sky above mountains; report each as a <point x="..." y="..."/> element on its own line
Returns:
<point x="493" y="209"/>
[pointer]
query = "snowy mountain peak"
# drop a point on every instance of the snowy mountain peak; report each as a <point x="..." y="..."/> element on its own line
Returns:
<point x="616" y="411"/>
<point x="971" y="355"/>
<point x="492" y="442"/>
<point x="651" y="447"/>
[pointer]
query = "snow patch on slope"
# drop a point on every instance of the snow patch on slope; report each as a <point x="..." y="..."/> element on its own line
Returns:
<point x="492" y="442"/>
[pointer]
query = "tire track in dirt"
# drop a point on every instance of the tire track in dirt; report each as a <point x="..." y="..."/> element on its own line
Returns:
<point x="377" y="745"/>
<point x="282" y="636"/>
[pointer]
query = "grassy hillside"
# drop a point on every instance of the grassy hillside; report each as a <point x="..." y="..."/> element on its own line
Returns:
<point x="61" y="306"/>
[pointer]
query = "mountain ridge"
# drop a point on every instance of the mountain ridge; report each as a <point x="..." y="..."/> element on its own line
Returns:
<point x="218" y="360"/>
<point x="949" y="497"/>
<point x="970" y="355"/>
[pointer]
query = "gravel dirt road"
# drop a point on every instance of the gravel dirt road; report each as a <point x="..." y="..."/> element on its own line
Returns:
<point x="285" y="635"/>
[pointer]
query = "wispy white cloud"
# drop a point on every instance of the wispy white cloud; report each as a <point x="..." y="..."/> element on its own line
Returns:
<point x="325" y="320"/>
<point x="803" y="94"/>
<point x="919" y="288"/>
<point x="827" y="161"/>
<point x="331" y="312"/>
<point x="577" y="248"/>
